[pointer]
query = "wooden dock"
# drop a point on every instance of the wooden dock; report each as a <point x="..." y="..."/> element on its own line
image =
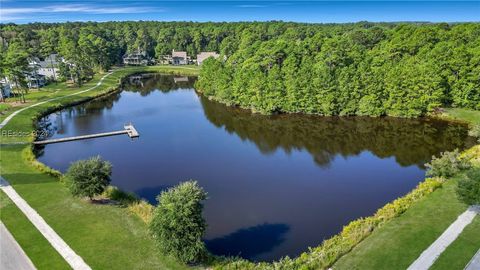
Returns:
<point x="129" y="129"/>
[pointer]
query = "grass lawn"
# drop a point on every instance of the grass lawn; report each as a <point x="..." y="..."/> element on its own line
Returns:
<point x="37" y="248"/>
<point x="105" y="236"/>
<point x="4" y="107"/>
<point x="466" y="115"/>
<point x="462" y="250"/>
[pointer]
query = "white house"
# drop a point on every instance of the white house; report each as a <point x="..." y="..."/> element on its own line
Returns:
<point x="49" y="66"/>
<point x="205" y="55"/>
<point x="179" y="58"/>
<point x="136" y="59"/>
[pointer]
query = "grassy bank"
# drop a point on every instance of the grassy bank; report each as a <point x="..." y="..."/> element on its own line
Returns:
<point x="397" y="244"/>
<point x="105" y="236"/>
<point x="464" y="115"/>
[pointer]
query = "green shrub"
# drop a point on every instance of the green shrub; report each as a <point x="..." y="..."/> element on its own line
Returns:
<point x="87" y="178"/>
<point x="468" y="189"/>
<point x="177" y="224"/>
<point x="475" y="132"/>
<point x="448" y="164"/>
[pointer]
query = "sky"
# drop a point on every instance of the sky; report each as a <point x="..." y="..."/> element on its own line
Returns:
<point x="20" y="11"/>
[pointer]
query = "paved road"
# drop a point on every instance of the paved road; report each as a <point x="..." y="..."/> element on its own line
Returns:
<point x="12" y="256"/>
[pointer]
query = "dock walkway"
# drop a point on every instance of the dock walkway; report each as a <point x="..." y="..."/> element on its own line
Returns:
<point x="129" y="129"/>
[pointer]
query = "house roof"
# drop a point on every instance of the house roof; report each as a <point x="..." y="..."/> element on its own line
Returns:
<point x="179" y="54"/>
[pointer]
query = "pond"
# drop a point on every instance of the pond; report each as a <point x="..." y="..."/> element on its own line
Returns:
<point x="276" y="184"/>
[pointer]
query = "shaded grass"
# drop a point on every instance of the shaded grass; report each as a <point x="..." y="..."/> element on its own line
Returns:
<point x="105" y="236"/>
<point x="462" y="250"/>
<point x="37" y="248"/>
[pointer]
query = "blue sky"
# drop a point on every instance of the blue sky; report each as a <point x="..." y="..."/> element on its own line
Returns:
<point x="19" y="11"/>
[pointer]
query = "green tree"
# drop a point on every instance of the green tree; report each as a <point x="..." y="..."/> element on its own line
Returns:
<point x="88" y="178"/>
<point x="177" y="224"/>
<point x="16" y="66"/>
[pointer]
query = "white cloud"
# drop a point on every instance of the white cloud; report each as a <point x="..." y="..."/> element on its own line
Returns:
<point x="8" y="14"/>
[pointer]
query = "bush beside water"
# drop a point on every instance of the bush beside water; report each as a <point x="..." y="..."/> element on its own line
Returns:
<point x="447" y="165"/>
<point x="177" y="224"/>
<point x="88" y="178"/>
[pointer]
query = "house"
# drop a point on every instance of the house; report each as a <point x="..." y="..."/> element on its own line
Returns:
<point x="204" y="55"/>
<point x="5" y="89"/>
<point x="49" y="66"/>
<point x="179" y="58"/>
<point x="136" y="59"/>
<point x="35" y="80"/>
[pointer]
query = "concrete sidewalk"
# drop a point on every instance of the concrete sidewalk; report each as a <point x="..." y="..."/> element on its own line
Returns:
<point x="72" y="258"/>
<point x="430" y="255"/>
<point x="474" y="264"/>
<point x="12" y="256"/>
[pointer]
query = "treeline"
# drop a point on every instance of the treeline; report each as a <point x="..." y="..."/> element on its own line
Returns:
<point x="330" y="69"/>
<point x="91" y="47"/>
<point x="366" y="69"/>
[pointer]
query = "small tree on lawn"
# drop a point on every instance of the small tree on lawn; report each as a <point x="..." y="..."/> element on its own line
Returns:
<point x="87" y="178"/>
<point x="468" y="189"/>
<point x="177" y="224"/>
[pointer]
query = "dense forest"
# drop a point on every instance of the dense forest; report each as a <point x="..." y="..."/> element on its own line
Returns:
<point x="329" y="69"/>
<point x="405" y="70"/>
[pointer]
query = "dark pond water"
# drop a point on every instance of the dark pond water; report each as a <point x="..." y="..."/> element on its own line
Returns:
<point x="276" y="184"/>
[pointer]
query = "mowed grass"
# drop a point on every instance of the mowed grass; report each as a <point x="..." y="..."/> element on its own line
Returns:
<point x="37" y="248"/>
<point x="397" y="244"/>
<point x="465" y="115"/>
<point x="462" y="250"/>
<point x="105" y="236"/>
